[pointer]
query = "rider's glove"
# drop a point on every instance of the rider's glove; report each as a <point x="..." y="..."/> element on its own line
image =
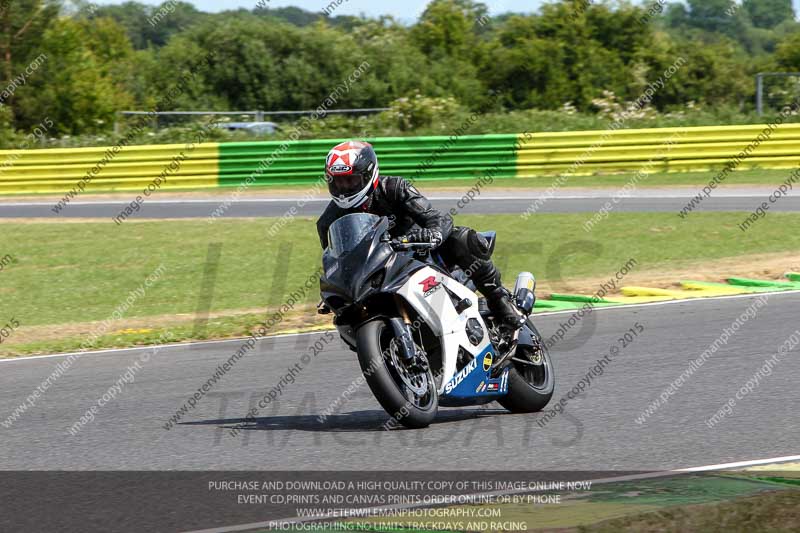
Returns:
<point x="424" y="235"/>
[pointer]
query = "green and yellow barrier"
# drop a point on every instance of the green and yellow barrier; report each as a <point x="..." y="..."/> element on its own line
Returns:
<point x="120" y="169"/>
<point x="264" y="163"/>
<point x="657" y="150"/>
<point x="425" y="158"/>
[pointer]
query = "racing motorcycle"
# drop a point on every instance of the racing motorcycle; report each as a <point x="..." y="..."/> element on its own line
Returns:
<point x="424" y="338"/>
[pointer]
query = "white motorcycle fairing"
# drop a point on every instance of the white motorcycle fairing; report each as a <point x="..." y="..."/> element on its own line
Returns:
<point x="432" y="295"/>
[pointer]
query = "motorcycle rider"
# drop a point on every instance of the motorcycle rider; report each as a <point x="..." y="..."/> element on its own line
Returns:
<point x="354" y="182"/>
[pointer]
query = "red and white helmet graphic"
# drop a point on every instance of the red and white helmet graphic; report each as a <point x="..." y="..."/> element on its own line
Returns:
<point x="351" y="170"/>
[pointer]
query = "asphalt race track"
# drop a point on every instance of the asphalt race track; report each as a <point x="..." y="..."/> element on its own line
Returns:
<point x="597" y="431"/>
<point x="655" y="200"/>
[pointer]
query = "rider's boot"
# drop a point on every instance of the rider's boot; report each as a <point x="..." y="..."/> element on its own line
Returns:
<point x="504" y="309"/>
<point x="500" y="301"/>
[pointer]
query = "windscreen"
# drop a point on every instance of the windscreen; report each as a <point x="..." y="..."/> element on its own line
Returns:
<point x="347" y="232"/>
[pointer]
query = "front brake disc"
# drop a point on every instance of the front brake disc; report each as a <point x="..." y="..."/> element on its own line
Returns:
<point x="408" y="379"/>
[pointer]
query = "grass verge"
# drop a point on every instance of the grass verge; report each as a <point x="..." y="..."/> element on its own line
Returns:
<point x="68" y="282"/>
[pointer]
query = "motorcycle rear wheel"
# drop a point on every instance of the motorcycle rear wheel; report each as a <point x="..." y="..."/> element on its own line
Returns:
<point x="530" y="387"/>
<point x="386" y="376"/>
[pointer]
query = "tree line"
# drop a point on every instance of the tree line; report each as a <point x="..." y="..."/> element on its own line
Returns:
<point x="92" y="61"/>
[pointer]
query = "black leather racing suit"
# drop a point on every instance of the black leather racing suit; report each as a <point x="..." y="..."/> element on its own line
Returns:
<point x="407" y="210"/>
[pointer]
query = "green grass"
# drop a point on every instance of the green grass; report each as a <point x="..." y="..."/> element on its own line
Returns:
<point x="67" y="273"/>
<point x="215" y="328"/>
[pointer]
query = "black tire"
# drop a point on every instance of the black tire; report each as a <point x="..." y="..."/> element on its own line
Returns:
<point x="372" y="341"/>
<point x="530" y="388"/>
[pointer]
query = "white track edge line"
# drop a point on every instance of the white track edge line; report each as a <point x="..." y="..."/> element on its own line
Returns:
<point x="153" y="346"/>
<point x="281" y="335"/>
<point x="320" y="200"/>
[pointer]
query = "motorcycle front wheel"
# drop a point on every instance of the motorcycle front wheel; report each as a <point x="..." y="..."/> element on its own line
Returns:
<point x="409" y="395"/>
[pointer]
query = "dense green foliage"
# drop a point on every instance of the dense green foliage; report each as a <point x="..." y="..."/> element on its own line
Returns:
<point x="572" y="63"/>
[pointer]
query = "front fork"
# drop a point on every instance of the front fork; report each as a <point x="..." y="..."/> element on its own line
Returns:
<point x="405" y="337"/>
<point x="402" y="332"/>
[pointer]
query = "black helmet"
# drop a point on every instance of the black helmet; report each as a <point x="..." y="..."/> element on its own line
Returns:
<point x="351" y="171"/>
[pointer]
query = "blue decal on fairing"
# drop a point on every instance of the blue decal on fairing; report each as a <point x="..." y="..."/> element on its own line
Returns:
<point x="474" y="380"/>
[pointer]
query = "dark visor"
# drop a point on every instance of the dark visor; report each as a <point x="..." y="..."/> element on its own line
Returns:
<point x="346" y="185"/>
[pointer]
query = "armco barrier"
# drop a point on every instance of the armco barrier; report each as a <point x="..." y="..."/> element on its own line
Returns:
<point x="694" y="149"/>
<point x="129" y="168"/>
<point x="413" y="157"/>
<point x="424" y="158"/>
